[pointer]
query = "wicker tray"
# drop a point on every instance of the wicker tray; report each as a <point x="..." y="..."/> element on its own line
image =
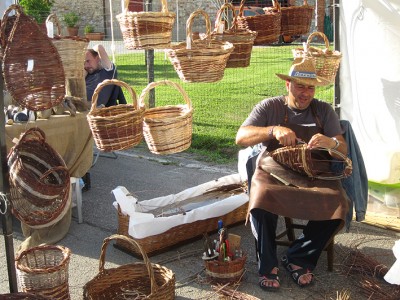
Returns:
<point x="200" y="60"/>
<point x="242" y="39"/>
<point x="296" y="20"/>
<point x="146" y="30"/>
<point x="167" y="129"/>
<point x="225" y="271"/>
<point x="326" y="61"/>
<point x="141" y="280"/>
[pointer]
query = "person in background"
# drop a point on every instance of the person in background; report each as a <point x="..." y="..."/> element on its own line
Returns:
<point x="99" y="67"/>
<point x="284" y="121"/>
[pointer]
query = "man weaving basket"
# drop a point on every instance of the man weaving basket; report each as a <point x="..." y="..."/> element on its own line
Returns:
<point x="277" y="190"/>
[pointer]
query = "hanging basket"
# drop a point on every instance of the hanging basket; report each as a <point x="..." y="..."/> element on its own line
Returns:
<point x="242" y="39"/>
<point x="326" y="61"/>
<point x="225" y="271"/>
<point x="140" y="280"/>
<point x="72" y="50"/>
<point x="296" y="20"/>
<point x="267" y="25"/>
<point x="116" y="127"/>
<point x="43" y="270"/>
<point x="33" y="70"/>
<point x="200" y="60"/>
<point x="167" y="129"/>
<point x="146" y="30"/>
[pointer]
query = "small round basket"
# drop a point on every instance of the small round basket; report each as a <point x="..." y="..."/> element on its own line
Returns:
<point x="167" y="129"/>
<point x="326" y="61"/>
<point x="116" y="127"/>
<point x="225" y="271"/>
<point x="141" y="280"/>
<point x="43" y="270"/>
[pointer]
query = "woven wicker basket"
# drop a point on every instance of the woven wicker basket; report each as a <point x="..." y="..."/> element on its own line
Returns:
<point x="71" y="49"/>
<point x="296" y="20"/>
<point x="146" y="30"/>
<point x="43" y="270"/>
<point x="116" y="127"/>
<point x="22" y="296"/>
<point x="225" y="271"/>
<point x="167" y="129"/>
<point x="267" y="26"/>
<point x="161" y="242"/>
<point x="326" y="61"/>
<point x="242" y="39"/>
<point x="200" y="60"/>
<point x="33" y="70"/>
<point x="140" y="280"/>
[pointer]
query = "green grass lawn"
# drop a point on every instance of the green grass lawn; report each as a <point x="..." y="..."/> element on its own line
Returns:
<point x="221" y="107"/>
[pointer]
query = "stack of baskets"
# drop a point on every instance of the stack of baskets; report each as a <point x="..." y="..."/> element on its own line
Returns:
<point x="43" y="271"/>
<point x="296" y="20"/>
<point x="116" y="127"/>
<point x="326" y="61"/>
<point x="267" y="26"/>
<point x="32" y="67"/>
<point x="167" y="129"/>
<point x="146" y="30"/>
<point x="39" y="181"/>
<point x="241" y="38"/>
<point x="140" y="280"/>
<point x="200" y="60"/>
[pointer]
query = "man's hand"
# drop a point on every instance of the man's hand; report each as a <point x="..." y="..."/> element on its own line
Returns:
<point x="285" y="136"/>
<point x="321" y="141"/>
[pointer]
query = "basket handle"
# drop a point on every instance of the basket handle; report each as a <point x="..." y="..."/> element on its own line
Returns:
<point x="152" y="85"/>
<point x="153" y="284"/>
<point x="106" y="82"/>
<point x="189" y="22"/>
<point x="314" y="34"/>
<point x="219" y="16"/>
<point x="56" y="22"/>
<point x="34" y="133"/>
<point x="18" y="10"/>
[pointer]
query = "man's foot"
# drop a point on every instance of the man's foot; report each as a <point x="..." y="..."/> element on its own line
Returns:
<point x="270" y="281"/>
<point x="302" y="277"/>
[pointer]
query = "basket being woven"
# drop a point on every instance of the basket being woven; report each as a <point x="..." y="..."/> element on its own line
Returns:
<point x="242" y="39"/>
<point x="225" y="271"/>
<point x="116" y="127"/>
<point x="326" y="61"/>
<point x="32" y="67"/>
<point x="296" y="20"/>
<point x="267" y="26"/>
<point x="72" y="50"/>
<point x="167" y="129"/>
<point x="43" y="270"/>
<point x="146" y="30"/>
<point x="140" y="280"/>
<point x="200" y="60"/>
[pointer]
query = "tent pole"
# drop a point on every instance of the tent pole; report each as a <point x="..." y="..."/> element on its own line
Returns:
<point x="336" y="38"/>
<point x="4" y="203"/>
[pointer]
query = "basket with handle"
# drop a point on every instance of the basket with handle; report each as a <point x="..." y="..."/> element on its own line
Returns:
<point x="296" y="20"/>
<point x="326" y="61"/>
<point x="241" y="38"/>
<point x="146" y="30"/>
<point x="267" y="25"/>
<point x="200" y="60"/>
<point x="116" y="127"/>
<point x="167" y="129"/>
<point x="71" y="49"/>
<point x="43" y="270"/>
<point x="140" y="280"/>
<point x="32" y="67"/>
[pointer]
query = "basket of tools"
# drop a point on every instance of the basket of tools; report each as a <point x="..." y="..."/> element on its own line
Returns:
<point x="43" y="270"/>
<point x="32" y="67"/>
<point x="39" y="180"/>
<point x="140" y="280"/>
<point x="116" y="127"/>
<point x="146" y="30"/>
<point x="200" y="60"/>
<point x="241" y="38"/>
<point x="72" y="49"/>
<point x="267" y="25"/>
<point x="326" y="61"/>
<point x="296" y="20"/>
<point x="167" y="129"/>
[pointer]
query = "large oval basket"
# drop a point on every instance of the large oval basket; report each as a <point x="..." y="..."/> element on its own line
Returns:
<point x="116" y="127"/>
<point x="140" y="280"/>
<point x="167" y="129"/>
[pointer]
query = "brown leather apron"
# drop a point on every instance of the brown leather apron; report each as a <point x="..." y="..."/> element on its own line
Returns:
<point x="294" y="195"/>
